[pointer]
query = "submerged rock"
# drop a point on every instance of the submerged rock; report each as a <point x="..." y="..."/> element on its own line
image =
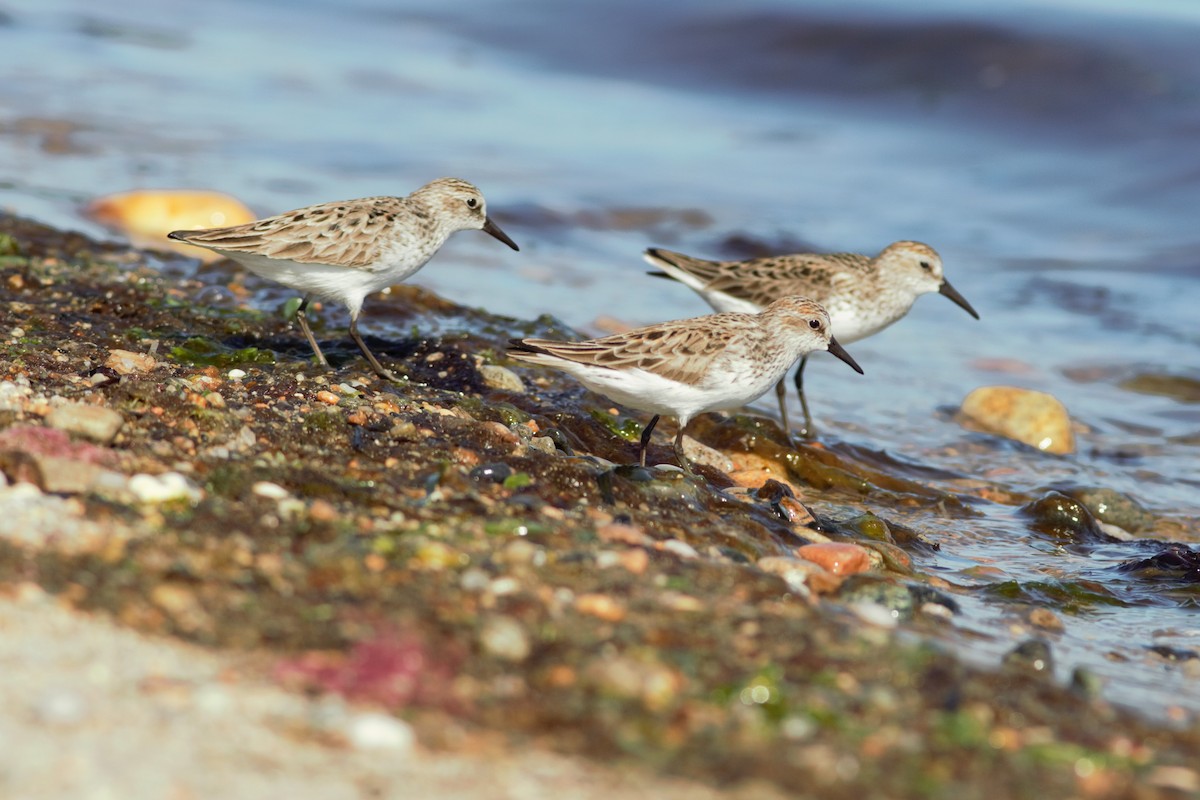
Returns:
<point x="1033" y="418"/>
<point x="1113" y="508"/>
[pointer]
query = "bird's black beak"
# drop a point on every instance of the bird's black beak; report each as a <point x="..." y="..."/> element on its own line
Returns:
<point x="953" y="294"/>
<point x="839" y="351"/>
<point x="494" y="230"/>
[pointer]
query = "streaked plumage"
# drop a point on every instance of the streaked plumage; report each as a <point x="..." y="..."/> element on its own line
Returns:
<point x="691" y="366"/>
<point x="862" y="295"/>
<point x="347" y="250"/>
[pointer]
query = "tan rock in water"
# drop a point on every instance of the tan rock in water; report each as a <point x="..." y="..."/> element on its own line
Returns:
<point x="1034" y="418"/>
<point x="147" y="216"/>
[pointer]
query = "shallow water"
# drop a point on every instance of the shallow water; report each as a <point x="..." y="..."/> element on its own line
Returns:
<point x="1047" y="150"/>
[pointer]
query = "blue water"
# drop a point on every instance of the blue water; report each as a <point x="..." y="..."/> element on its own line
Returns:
<point x="1049" y="150"/>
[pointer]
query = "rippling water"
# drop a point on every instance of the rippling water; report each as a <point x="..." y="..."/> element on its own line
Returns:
<point x="1048" y="150"/>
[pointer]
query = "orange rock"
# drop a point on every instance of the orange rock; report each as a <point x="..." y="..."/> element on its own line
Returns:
<point x="751" y="478"/>
<point x="1035" y="418"/>
<point x="147" y="216"/>
<point x="561" y="676"/>
<point x="840" y="558"/>
<point x="600" y="605"/>
<point x="623" y="534"/>
<point x="328" y="397"/>
<point x="322" y="511"/>
<point x="635" y="560"/>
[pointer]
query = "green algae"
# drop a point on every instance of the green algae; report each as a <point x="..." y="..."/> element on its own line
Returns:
<point x="1071" y="597"/>
<point x="626" y="428"/>
<point x="200" y="351"/>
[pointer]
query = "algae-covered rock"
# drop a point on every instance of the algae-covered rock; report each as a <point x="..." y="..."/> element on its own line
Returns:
<point x="1033" y="418"/>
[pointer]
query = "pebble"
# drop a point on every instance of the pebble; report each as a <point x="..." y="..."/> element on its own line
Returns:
<point x="269" y="490"/>
<point x="322" y="510"/>
<point x="543" y="444"/>
<point x="601" y="606"/>
<point x="245" y="438"/>
<point x="61" y="707"/>
<point x="374" y="730"/>
<point x="474" y="580"/>
<point x="163" y="488"/>
<point x="213" y="699"/>
<point x="678" y="548"/>
<point x="1034" y="418"/>
<point x="876" y="614"/>
<point x="505" y="638"/>
<point x="12" y="395"/>
<point x="66" y="475"/>
<point x="1180" y="779"/>
<point x="501" y="378"/>
<point x="623" y="534"/>
<point x="97" y="423"/>
<point x="655" y="685"/>
<point x="496" y="472"/>
<point x="1114" y="508"/>
<point x="127" y="362"/>
<point x="1031" y="655"/>
<point x="235" y="374"/>
<point x="700" y="453"/>
<point x="796" y="573"/>
<point x="328" y="397"/>
<point x="1046" y="619"/>
<point x="840" y="558"/>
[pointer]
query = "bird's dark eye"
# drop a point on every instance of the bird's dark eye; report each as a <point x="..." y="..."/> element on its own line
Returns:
<point x="925" y="265"/>
<point x="815" y="324"/>
<point x="472" y="202"/>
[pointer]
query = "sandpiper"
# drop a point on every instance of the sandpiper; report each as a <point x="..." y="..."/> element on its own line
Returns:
<point x="692" y="366"/>
<point x="863" y="295"/>
<point x="347" y="250"/>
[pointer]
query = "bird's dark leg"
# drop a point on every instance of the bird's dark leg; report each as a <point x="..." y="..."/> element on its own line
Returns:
<point x="781" y="395"/>
<point x="683" y="462"/>
<point x="646" y="431"/>
<point x="302" y="318"/>
<point x="808" y="423"/>
<point x="366" y="351"/>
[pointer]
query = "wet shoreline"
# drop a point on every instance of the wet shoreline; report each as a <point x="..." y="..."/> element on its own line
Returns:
<point x="449" y="550"/>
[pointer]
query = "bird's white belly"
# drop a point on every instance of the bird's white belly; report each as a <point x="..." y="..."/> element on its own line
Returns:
<point x="647" y="391"/>
<point x="347" y="285"/>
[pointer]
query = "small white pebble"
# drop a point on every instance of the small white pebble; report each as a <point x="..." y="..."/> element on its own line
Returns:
<point x="213" y="700"/>
<point x="505" y="638"/>
<point x="937" y="610"/>
<point x="678" y="547"/>
<point x="473" y="580"/>
<point x="372" y="730"/>
<point x="17" y="332"/>
<point x="876" y="614"/>
<point x="235" y="374"/>
<point x="607" y="558"/>
<point x="163" y="488"/>
<point x="271" y="491"/>
<point x="505" y="585"/>
<point x="60" y="707"/>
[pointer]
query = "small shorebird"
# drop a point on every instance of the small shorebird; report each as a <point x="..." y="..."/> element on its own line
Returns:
<point x="863" y="295"/>
<point x="692" y="366"/>
<point x="347" y="250"/>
